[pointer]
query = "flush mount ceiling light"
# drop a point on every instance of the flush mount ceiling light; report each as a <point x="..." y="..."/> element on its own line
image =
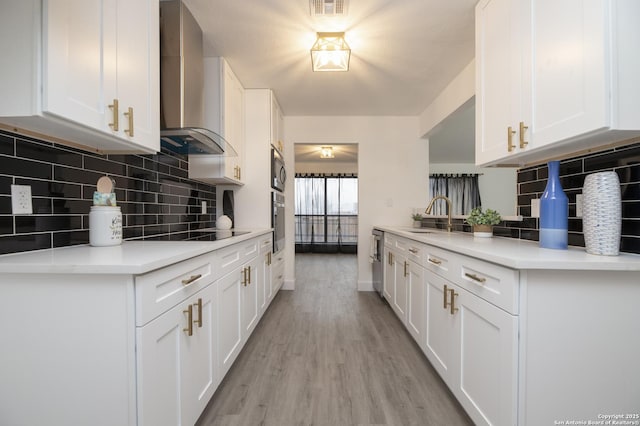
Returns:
<point x="326" y="152"/>
<point x="330" y="53"/>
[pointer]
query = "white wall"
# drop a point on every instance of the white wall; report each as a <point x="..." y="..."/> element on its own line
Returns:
<point x="460" y="90"/>
<point x="393" y="170"/>
<point x="497" y="185"/>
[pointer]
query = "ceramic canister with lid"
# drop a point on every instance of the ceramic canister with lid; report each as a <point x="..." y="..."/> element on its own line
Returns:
<point x="105" y="226"/>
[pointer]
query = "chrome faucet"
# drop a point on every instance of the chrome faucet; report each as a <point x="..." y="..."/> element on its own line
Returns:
<point x="430" y="206"/>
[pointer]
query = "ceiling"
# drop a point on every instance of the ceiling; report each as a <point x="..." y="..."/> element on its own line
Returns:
<point x="404" y="52"/>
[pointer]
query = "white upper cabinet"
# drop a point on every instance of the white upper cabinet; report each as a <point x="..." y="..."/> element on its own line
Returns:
<point x="277" y="125"/>
<point x="84" y="71"/>
<point x="224" y="113"/>
<point x="554" y="79"/>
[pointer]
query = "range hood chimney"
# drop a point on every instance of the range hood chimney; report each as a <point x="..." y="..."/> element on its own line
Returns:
<point x="182" y="127"/>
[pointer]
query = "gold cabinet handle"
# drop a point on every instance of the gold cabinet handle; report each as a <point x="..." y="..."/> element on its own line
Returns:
<point x="129" y="115"/>
<point x="191" y="279"/>
<point x="453" y="294"/>
<point x="114" y="108"/>
<point x="249" y="267"/>
<point x="199" y="305"/>
<point x="414" y="251"/>
<point x="475" y="277"/>
<point x="434" y="261"/>
<point x="244" y="277"/>
<point x="405" y="268"/>
<point x="510" y="145"/>
<point x="444" y="293"/>
<point x="390" y="258"/>
<point x="523" y="143"/>
<point x="239" y="173"/>
<point x="189" y="312"/>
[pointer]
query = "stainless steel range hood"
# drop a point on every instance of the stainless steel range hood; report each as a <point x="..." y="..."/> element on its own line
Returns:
<point x="182" y="127"/>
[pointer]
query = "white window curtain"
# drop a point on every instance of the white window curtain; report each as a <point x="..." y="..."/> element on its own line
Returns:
<point x="461" y="189"/>
<point x="326" y="213"/>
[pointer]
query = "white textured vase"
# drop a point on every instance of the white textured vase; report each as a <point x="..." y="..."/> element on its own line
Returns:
<point x="602" y="213"/>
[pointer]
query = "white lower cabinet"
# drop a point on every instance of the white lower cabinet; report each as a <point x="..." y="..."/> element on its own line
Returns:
<point x="474" y="346"/>
<point x="176" y="362"/>
<point x="461" y="313"/>
<point x="250" y="306"/>
<point x="416" y="319"/>
<point x="404" y="284"/>
<point x="230" y="322"/>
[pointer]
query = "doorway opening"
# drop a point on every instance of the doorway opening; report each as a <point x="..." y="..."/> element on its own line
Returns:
<point x="326" y="198"/>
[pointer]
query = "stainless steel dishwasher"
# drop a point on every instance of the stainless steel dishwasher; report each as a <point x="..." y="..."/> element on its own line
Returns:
<point x="375" y="257"/>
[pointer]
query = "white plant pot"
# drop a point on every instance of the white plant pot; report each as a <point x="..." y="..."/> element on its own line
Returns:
<point x="483" y="231"/>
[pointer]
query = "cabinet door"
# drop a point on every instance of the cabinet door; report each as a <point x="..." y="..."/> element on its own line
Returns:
<point x="400" y="296"/>
<point x="486" y="347"/>
<point x="498" y="78"/>
<point x="79" y="45"/>
<point x="440" y="327"/>
<point x="250" y="285"/>
<point x="233" y="110"/>
<point x="176" y="371"/>
<point x="138" y="77"/>
<point x="229" y="321"/>
<point x="568" y="93"/>
<point x="416" y="314"/>
<point x="199" y="373"/>
<point x="389" y="285"/>
<point x="264" y="279"/>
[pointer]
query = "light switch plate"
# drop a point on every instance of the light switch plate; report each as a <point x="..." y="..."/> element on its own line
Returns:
<point x="203" y="207"/>
<point x="535" y="207"/>
<point x="21" y="199"/>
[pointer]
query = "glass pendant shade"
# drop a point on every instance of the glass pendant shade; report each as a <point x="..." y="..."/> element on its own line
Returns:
<point x="330" y="53"/>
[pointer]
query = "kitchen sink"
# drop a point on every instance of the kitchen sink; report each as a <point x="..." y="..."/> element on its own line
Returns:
<point x="420" y="231"/>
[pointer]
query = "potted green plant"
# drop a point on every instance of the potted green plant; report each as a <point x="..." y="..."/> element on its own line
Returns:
<point x="483" y="221"/>
<point x="417" y="220"/>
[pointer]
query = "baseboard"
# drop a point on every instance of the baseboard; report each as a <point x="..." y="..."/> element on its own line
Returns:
<point x="365" y="286"/>
<point x="289" y="285"/>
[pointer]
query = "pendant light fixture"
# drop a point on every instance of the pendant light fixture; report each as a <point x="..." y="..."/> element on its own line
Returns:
<point x="330" y="53"/>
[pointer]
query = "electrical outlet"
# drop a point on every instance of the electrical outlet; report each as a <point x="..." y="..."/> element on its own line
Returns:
<point x="578" y="205"/>
<point x="203" y="207"/>
<point x="21" y="199"/>
<point x="535" y="207"/>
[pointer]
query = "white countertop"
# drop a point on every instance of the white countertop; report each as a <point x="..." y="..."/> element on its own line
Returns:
<point x="517" y="254"/>
<point x="131" y="257"/>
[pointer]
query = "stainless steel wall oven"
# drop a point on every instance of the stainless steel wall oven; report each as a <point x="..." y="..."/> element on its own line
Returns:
<point x="277" y="221"/>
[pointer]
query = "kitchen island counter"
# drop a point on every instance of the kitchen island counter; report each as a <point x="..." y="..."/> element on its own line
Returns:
<point x="131" y="257"/>
<point x="517" y="254"/>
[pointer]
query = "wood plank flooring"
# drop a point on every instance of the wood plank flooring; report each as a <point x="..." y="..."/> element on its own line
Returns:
<point x="326" y="354"/>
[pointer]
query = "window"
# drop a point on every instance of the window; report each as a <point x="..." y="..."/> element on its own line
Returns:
<point x="326" y="211"/>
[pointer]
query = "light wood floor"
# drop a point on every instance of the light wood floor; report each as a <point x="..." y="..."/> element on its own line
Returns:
<point x="326" y="354"/>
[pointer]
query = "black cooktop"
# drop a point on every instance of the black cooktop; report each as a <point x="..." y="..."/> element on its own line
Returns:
<point x="213" y="234"/>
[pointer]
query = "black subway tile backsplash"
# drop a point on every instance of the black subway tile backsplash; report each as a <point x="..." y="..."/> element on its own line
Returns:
<point x="532" y="181"/>
<point x="156" y="197"/>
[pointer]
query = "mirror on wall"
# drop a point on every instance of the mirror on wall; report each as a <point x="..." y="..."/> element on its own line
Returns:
<point x="452" y="151"/>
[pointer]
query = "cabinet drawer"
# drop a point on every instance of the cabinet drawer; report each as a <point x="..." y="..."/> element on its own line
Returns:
<point x="415" y="251"/>
<point x="442" y="262"/>
<point x="277" y="276"/>
<point x="266" y="244"/>
<point x="496" y="284"/>
<point x="160" y="290"/>
<point x="229" y="258"/>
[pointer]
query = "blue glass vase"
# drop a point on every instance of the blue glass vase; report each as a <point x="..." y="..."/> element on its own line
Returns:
<point x="554" y="211"/>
